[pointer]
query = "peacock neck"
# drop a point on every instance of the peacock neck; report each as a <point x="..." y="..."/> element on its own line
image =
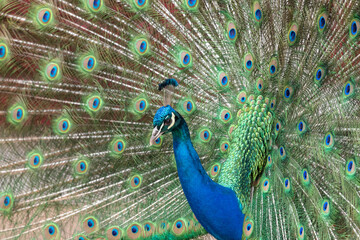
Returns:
<point x="187" y="159"/>
<point x="216" y="207"/>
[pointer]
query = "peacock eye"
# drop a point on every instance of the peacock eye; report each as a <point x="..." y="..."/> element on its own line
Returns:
<point x="167" y="121"/>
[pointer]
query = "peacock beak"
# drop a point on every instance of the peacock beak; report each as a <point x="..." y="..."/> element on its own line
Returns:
<point x="156" y="134"/>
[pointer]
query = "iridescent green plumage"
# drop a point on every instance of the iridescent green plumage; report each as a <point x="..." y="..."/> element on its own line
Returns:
<point x="268" y="89"/>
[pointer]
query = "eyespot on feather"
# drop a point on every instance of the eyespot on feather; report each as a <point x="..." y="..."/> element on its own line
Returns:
<point x="322" y="21"/>
<point x="319" y="75"/>
<point x="118" y="146"/>
<point x="225" y="116"/>
<point x="80" y="237"/>
<point x="94" y="103"/>
<point x="141" y="4"/>
<point x="257" y="12"/>
<point x="329" y="141"/>
<point x="301" y="127"/>
<point x="81" y="167"/>
<point x="231" y="31"/>
<point x="188" y="106"/>
<point x="135" y="181"/>
<point x="94" y="5"/>
<point x="90" y="224"/>
<point x="205" y="135"/>
<point x="185" y="59"/>
<point x="282" y="153"/>
<point x="273" y="67"/>
<point x="350" y="168"/>
<point x="114" y="233"/>
<point x="51" y="231"/>
<point x="249" y="62"/>
<point x="325" y="208"/>
<point x="260" y="85"/>
<point x="305" y="177"/>
<point x="35" y="159"/>
<point x="149" y="229"/>
<point x="89" y="63"/>
<point x="349" y="89"/>
<point x="63" y="125"/>
<point x="52" y="72"/>
<point x="141" y="105"/>
<point x="248" y="227"/>
<point x="223" y="79"/>
<point x="292" y="34"/>
<point x="288" y="92"/>
<point x="265" y="186"/>
<point x="242" y="97"/>
<point x="158" y="142"/>
<point x="162" y="227"/>
<point x="179" y="227"/>
<point x="142" y="46"/>
<point x="287" y="185"/>
<point x="215" y="170"/>
<point x="191" y="4"/>
<point x="354" y="28"/>
<point x="269" y="160"/>
<point x="273" y="104"/>
<point x="224" y="146"/>
<point x="134" y="231"/>
<point x="4" y="51"/>
<point x="17" y="114"/>
<point x="277" y="127"/>
<point x="44" y="16"/>
<point x="6" y="202"/>
<point x="301" y="232"/>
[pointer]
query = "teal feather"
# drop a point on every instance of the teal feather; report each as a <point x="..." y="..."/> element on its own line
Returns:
<point x="269" y="91"/>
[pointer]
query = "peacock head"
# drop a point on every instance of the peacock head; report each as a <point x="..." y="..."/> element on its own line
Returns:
<point x="166" y="120"/>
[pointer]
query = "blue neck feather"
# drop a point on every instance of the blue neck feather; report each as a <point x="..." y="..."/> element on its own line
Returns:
<point x="216" y="207"/>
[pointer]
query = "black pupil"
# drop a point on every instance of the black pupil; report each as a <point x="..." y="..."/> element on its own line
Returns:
<point x="167" y="121"/>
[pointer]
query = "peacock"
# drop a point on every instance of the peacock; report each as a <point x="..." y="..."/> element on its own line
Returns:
<point x="179" y="119"/>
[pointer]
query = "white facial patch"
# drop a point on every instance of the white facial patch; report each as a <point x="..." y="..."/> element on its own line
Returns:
<point x="172" y="120"/>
